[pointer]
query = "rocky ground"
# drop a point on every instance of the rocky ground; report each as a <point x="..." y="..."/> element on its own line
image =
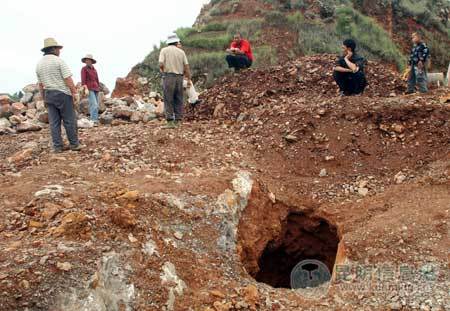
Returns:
<point x="267" y="172"/>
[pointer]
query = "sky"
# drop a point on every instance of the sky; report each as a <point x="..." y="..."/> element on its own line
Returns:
<point x="118" y="33"/>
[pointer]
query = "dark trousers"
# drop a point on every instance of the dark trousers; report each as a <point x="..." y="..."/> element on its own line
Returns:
<point x="173" y="97"/>
<point x="418" y="78"/>
<point x="350" y="83"/>
<point x="60" y="108"/>
<point x="238" y="61"/>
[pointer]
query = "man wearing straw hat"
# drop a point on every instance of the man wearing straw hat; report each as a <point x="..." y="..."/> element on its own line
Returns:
<point x="89" y="79"/>
<point x="58" y="91"/>
<point x="174" y="65"/>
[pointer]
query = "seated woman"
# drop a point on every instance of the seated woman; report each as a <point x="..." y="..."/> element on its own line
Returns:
<point x="349" y="72"/>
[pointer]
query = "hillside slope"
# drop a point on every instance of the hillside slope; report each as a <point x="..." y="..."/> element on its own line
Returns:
<point x="282" y="30"/>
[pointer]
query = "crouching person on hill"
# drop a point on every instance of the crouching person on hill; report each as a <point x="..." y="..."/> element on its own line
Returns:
<point x="349" y="72"/>
<point x="418" y="61"/>
<point x="58" y="91"/>
<point x="174" y="66"/>
<point x="240" y="54"/>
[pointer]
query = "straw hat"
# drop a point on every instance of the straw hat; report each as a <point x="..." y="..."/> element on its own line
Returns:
<point x="50" y="43"/>
<point x="88" y="56"/>
<point x="173" y="38"/>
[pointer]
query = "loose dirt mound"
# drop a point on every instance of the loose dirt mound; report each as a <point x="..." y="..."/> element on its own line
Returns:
<point x="306" y="78"/>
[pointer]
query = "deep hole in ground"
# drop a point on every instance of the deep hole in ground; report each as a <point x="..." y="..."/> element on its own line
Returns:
<point x="302" y="237"/>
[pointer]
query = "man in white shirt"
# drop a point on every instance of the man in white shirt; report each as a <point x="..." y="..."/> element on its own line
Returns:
<point x="58" y="91"/>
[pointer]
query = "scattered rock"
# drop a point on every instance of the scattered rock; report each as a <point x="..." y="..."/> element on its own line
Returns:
<point x="122" y="217"/>
<point x="64" y="266"/>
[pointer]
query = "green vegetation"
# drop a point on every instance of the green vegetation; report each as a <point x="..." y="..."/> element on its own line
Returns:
<point x="369" y="35"/>
<point x="319" y="30"/>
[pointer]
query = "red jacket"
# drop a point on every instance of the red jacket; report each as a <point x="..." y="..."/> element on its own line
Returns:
<point x="89" y="77"/>
<point x="245" y="47"/>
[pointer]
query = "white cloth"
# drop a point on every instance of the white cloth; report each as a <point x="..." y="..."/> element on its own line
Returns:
<point x="191" y="92"/>
<point x="448" y="76"/>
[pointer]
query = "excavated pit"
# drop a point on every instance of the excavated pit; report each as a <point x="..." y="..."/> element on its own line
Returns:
<point x="302" y="237"/>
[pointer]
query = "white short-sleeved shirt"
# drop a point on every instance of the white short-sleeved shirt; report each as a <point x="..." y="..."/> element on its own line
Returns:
<point x="51" y="72"/>
<point x="174" y="59"/>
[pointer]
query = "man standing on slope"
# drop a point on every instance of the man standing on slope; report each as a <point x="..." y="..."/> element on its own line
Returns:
<point x="418" y="62"/>
<point x="58" y="91"/>
<point x="174" y="65"/>
<point x="349" y="72"/>
<point x="240" y="53"/>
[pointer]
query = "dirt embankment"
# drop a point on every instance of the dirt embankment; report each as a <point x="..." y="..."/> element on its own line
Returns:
<point x="201" y="217"/>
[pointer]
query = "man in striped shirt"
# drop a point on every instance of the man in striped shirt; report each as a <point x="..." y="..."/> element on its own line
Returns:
<point x="58" y="91"/>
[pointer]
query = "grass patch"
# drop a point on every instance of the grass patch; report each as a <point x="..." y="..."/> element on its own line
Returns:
<point x="203" y="41"/>
<point x="369" y="35"/>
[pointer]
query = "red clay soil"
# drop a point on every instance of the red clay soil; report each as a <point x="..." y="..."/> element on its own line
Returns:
<point x="376" y="168"/>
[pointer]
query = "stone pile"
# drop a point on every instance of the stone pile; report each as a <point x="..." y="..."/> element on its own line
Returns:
<point x="30" y="113"/>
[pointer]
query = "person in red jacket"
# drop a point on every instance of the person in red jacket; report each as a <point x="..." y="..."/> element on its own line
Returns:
<point x="89" y="79"/>
<point x="240" y="54"/>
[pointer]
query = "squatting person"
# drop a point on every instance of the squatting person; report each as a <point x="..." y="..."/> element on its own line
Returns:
<point x="349" y="71"/>
<point x="173" y="65"/>
<point x="58" y="91"/>
<point x="418" y="63"/>
<point x="89" y="79"/>
<point x="240" y="53"/>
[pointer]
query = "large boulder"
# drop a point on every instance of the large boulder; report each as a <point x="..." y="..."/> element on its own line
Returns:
<point x="125" y="87"/>
<point x="5" y="110"/>
<point x="106" y="118"/>
<point x="84" y="106"/>
<point x="4" y="123"/>
<point x="28" y="127"/>
<point x="27" y="98"/>
<point x="43" y="117"/>
<point x="16" y="119"/>
<point x="18" y="108"/>
<point x="40" y="106"/>
<point x="31" y="113"/>
<point x="136" y="116"/>
<point x="101" y="102"/>
<point x="5" y="100"/>
<point x="104" y="89"/>
<point x="122" y="112"/>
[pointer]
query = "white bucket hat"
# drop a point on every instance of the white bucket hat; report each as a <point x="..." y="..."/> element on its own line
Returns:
<point x="88" y="56"/>
<point x="50" y="43"/>
<point x="173" y="38"/>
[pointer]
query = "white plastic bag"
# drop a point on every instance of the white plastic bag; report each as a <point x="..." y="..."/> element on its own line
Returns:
<point x="191" y="92"/>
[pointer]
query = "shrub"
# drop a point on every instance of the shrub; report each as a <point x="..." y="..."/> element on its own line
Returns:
<point x="317" y="38"/>
<point x="250" y="28"/>
<point x="184" y="32"/>
<point x="211" y="63"/>
<point x="215" y="27"/>
<point x="369" y="35"/>
<point x="275" y="19"/>
<point x="202" y="41"/>
<point x="265" y="56"/>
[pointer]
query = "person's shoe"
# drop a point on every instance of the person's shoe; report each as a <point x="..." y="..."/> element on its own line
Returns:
<point x="409" y="92"/>
<point x="76" y="148"/>
<point x="95" y="123"/>
<point x="169" y="126"/>
<point x="58" y="150"/>
<point x="177" y="123"/>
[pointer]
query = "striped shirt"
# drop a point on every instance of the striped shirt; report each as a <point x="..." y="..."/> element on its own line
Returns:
<point x="51" y="72"/>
